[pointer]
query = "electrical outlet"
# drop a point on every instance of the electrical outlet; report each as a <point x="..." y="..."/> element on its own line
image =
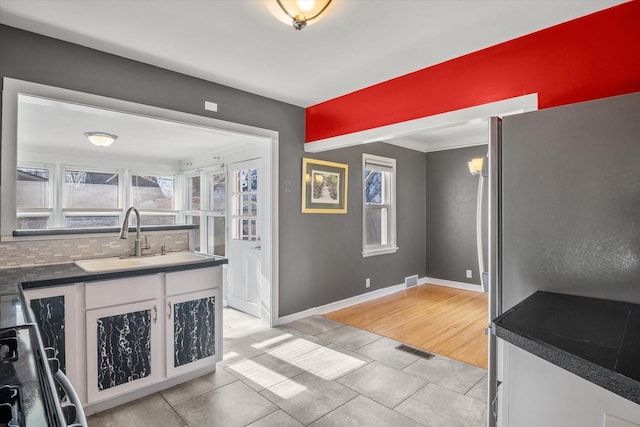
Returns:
<point x="469" y="274"/>
<point x="367" y="282"/>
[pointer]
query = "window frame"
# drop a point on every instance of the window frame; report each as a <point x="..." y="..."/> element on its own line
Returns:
<point x="50" y="211"/>
<point x="63" y="197"/>
<point x="174" y="211"/>
<point x="58" y="214"/>
<point x="205" y="235"/>
<point x="370" y="160"/>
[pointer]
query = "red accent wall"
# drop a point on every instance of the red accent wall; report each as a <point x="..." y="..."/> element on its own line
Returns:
<point x="595" y="56"/>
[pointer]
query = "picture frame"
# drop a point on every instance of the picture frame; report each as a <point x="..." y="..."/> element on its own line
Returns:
<point x="324" y="186"/>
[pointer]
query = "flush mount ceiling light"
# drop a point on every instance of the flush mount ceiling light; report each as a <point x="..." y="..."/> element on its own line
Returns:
<point x="299" y="13"/>
<point x="100" y="139"/>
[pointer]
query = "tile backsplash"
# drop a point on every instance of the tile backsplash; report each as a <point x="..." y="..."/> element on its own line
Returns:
<point x="70" y="249"/>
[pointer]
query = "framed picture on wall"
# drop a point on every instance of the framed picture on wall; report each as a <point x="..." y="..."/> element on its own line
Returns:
<point x="324" y="186"/>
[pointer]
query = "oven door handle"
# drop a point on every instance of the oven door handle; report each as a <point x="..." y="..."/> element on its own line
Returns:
<point x="63" y="381"/>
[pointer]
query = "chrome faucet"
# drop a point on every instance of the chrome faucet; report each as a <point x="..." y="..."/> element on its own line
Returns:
<point x="124" y="231"/>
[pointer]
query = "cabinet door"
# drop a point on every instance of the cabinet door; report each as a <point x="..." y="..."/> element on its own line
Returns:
<point x="123" y="348"/>
<point x="54" y="310"/>
<point x="194" y="331"/>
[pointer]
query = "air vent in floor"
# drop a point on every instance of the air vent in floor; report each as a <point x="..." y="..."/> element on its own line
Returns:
<point x="415" y="351"/>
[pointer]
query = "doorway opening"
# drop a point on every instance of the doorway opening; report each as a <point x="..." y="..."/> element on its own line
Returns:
<point x="182" y="157"/>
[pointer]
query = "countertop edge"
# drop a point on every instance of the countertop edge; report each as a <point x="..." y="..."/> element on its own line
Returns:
<point x="598" y="375"/>
<point x="116" y="274"/>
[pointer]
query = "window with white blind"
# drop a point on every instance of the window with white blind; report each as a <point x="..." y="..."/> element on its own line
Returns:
<point x="58" y="196"/>
<point x="34" y="197"/>
<point x="378" y="205"/>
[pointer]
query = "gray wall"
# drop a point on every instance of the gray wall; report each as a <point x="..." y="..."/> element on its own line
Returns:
<point x="451" y="214"/>
<point x="320" y="258"/>
<point x="325" y="253"/>
<point x="571" y="201"/>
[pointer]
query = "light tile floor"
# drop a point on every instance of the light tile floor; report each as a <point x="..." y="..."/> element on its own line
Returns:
<point x="314" y="372"/>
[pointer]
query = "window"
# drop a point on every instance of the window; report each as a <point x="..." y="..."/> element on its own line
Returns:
<point x="34" y="194"/>
<point x="91" y="190"/>
<point x="205" y="206"/>
<point x="244" y="205"/>
<point x="193" y="193"/>
<point x="216" y="226"/>
<point x="34" y="188"/>
<point x="154" y="196"/>
<point x="153" y="192"/>
<point x="378" y="205"/>
<point x="54" y="196"/>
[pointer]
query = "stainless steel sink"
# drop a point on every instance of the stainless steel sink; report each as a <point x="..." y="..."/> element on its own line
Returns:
<point x="100" y="265"/>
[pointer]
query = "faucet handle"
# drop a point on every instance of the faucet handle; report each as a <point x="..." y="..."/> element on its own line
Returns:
<point x="146" y="244"/>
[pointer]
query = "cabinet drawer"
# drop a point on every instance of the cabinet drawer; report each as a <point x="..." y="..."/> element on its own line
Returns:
<point x="122" y="291"/>
<point x="181" y="282"/>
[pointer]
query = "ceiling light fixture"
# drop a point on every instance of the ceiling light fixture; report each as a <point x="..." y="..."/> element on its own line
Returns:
<point x="100" y="139"/>
<point x="300" y="12"/>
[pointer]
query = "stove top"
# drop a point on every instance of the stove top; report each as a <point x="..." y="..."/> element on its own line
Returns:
<point x="27" y="395"/>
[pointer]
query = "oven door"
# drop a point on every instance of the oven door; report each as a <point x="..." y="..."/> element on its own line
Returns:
<point x="72" y="411"/>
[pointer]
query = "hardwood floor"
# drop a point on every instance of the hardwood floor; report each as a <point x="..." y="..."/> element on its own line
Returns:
<point x="438" y="319"/>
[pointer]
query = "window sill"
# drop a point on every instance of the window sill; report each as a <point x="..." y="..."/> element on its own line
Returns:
<point x="375" y="252"/>
<point x="69" y="231"/>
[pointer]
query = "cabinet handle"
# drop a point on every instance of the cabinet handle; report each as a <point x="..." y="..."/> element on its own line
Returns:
<point x="169" y="304"/>
<point x="155" y="313"/>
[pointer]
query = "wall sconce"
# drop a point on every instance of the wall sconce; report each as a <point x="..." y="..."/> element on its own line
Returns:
<point x="475" y="166"/>
<point x="101" y="139"/>
<point x="298" y="13"/>
<point x="319" y="178"/>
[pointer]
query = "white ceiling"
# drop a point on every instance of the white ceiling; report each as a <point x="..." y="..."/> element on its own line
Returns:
<point x="239" y="44"/>
<point x="455" y="135"/>
<point x="53" y="127"/>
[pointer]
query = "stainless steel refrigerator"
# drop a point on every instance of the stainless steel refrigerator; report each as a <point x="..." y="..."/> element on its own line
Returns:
<point x="564" y="206"/>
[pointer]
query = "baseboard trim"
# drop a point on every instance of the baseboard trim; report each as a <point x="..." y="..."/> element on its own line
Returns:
<point x="452" y="284"/>
<point x="348" y="302"/>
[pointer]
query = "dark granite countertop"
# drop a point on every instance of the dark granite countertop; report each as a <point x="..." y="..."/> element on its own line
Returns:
<point x="13" y="280"/>
<point x="596" y="339"/>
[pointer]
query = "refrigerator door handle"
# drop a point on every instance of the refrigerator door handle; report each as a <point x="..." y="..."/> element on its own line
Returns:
<point x="493" y="283"/>
<point x="480" y="246"/>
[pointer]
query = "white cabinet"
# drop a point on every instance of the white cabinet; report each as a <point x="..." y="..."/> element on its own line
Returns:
<point x="123" y="349"/>
<point x="55" y="310"/>
<point x="123" y="335"/>
<point x="536" y="393"/>
<point x="194" y="320"/>
<point x="142" y="331"/>
<point x="194" y="338"/>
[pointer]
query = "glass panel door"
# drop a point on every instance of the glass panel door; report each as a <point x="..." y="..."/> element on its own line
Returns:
<point x="244" y="205"/>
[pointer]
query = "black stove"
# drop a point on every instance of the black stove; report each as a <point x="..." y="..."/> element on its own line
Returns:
<point x="27" y="392"/>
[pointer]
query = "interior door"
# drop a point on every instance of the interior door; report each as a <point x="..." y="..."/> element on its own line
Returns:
<point x="245" y="226"/>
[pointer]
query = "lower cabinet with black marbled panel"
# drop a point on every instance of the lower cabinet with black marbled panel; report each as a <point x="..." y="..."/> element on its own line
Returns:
<point x="123" y="349"/>
<point x="54" y="310"/>
<point x="146" y="332"/>
<point x="193" y="337"/>
<point x="123" y="335"/>
<point x="49" y="315"/>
